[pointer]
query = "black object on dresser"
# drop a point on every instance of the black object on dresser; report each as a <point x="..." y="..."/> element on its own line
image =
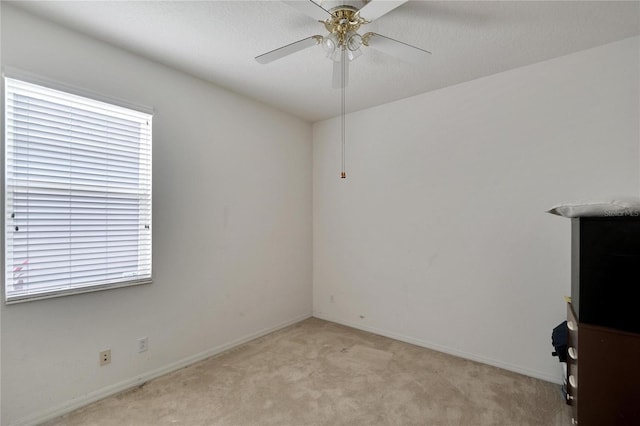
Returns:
<point x="603" y="319"/>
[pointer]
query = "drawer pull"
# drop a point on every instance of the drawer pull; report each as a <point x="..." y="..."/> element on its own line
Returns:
<point x="573" y="381"/>
<point x="574" y="421"/>
<point x="573" y="353"/>
<point x="572" y="326"/>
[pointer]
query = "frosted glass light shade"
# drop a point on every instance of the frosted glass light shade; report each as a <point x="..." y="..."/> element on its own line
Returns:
<point x="330" y="44"/>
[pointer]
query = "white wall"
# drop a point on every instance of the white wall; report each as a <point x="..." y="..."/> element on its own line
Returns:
<point x="439" y="234"/>
<point x="231" y="238"/>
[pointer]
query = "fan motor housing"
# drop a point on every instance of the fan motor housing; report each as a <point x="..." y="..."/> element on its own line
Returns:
<point x="344" y="20"/>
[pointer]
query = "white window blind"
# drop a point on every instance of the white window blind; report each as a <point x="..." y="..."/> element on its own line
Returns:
<point x="77" y="193"/>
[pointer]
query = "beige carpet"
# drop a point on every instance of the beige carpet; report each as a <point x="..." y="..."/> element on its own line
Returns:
<point x="320" y="373"/>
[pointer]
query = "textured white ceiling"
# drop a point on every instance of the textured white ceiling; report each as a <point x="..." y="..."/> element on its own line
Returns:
<point x="218" y="40"/>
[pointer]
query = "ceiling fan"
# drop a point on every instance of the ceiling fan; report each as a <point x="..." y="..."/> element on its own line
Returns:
<point x="342" y="19"/>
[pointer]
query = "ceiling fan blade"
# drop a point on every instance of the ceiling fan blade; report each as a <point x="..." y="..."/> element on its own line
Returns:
<point x="396" y="48"/>
<point x="283" y="51"/>
<point x="310" y="8"/>
<point x="376" y="8"/>
<point x="340" y="76"/>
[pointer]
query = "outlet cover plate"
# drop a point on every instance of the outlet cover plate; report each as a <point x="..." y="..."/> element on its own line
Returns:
<point x="105" y="357"/>
<point x="143" y="344"/>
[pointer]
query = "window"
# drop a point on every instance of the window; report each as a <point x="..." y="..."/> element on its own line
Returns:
<point x="77" y="194"/>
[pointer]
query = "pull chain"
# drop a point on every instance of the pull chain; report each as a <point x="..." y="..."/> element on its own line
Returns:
<point x="343" y="174"/>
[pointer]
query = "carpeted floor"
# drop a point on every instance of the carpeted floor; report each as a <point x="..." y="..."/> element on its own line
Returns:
<point x="319" y="373"/>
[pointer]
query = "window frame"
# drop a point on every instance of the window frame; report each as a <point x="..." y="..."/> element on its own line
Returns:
<point x="88" y="286"/>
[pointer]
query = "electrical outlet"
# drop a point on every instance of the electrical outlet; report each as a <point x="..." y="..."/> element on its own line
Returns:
<point x="105" y="357"/>
<point x="143" y="344"/>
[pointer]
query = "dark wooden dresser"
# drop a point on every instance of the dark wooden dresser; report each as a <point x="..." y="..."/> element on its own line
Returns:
<point x="603" y="362"/>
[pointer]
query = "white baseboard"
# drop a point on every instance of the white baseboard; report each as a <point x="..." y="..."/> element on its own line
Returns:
<point x="440" y="348"/>
<point x="133" y="382"/>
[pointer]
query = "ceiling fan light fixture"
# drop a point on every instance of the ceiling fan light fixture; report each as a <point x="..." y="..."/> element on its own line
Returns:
<point x="330" y="44"/>
<point x="354" y="41"/>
